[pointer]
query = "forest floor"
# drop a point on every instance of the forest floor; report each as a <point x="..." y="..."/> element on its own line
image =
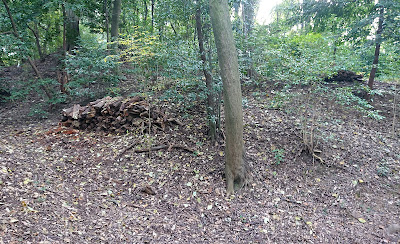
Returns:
<point x="66" y="186"/>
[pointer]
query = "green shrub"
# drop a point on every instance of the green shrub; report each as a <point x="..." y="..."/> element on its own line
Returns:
<point x="90" y="68"/>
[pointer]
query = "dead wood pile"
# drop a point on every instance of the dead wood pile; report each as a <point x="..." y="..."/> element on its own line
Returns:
<point x="345" y="76"/>
<point x="117" y="114"/>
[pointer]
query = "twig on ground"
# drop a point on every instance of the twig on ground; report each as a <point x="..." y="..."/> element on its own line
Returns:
<point x="125" y="150"/>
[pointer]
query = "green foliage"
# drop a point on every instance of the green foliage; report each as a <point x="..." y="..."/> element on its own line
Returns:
<point x="346" y="97"/>
<point x="279" y="99"/>
<point x="38" y="111"/>
<point x="90" y="68"/>
<point x="13" y="50"/>
<point x="347" y="26"/>
<point x="305" y="59"/>
<point x="178" y="61"/>
<point x="279" y="155"/>
<point x="25" y="90"/>
<point x="138" y="48"/>
<point x="389" y="62"/>
<point x="298" y="59"/>
<point x="383" y="170"/>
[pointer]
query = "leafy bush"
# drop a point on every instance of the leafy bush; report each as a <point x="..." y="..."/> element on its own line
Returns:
<point x="178" y="61"/>
<point x="91" y="69"/>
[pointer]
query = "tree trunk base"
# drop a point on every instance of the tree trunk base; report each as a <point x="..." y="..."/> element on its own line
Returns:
<point x="237" y="176"/>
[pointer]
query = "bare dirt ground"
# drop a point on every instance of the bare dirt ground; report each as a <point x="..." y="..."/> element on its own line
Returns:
<point x="60" y="185"/>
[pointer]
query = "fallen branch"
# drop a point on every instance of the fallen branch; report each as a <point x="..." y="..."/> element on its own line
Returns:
<point x="175" y="121"/>
<point x="156" y="148"/>
<point x="6" y="32"/>
<point x="292" y="201"/>
<point x="183" y="148"/>
<point x="125" y="150"/>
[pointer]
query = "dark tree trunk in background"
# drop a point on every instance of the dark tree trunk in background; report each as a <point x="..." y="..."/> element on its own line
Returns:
<point x="11" y="18"/>
<point x="35" y="32"/>
<point x="236" y="7"/>
<point x="71" y="28"/>
<point x="236" y="169"/>
<point x="209" y="80"/>
<point x="152" y="15"/>
<point x="378" y="40"/>
<point x="107" y="24"/>
<point x="145" y="12"/>
<point x="248" y="16"/>
<point x="248" y="23"/>
<point x="115" y="19"/>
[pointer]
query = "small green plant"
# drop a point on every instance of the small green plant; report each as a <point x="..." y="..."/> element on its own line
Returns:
<point x="279" y="155"/>
<point x="279" y="100"/>
<point x="245" y="102"/>
<point x="345" y="96"/>
<point x="114" y="91"/>
<point x="38" y="112"/>
<point x="382" y="170"/>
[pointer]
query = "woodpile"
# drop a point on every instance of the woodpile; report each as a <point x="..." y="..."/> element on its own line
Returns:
<point x="117" y="114"/>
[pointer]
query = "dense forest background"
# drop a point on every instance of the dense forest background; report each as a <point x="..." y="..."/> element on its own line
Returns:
<point x="114" y="123"/>
<point x="306" y="43"/>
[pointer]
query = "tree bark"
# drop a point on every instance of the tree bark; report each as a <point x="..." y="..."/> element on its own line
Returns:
<point x="236" y="169"/>
<point x="248" y="23"/>
<point x="145" y="11"/>
<point x="236" y="6"/>
<point x="115" y="19"/>
<point x="64" y="29"/>
<point x="35" y="32"/>
<point x="71" y="28"/>
<point x="11" y="18"/>
<point x="106" y="20"/>
<point x="248" y="16"/>
<point x="209" y="80"/>
<point x="378" y="40"/>
<point x="152" y="15"/>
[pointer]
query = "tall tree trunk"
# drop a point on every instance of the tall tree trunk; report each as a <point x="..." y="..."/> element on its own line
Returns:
<point x="15" y="32"/>
<point x="107" y="24"/>
<point x="277" y="17"/>
<point x="115" y="19"/>
<point x="236" y="6"/>
<point x="236" y="169"/>
<point x="209" y="80"/>
<point x="378" y="40"/>
<point x="64" y="29"/>
<point x="152" y="15"/>
<point x="145" y="11"/>
<point x="248" y="23"/>
<point x="71" y="29"/>
<point x="248" y="16"/>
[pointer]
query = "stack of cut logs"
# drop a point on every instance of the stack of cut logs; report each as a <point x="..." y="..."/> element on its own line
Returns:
<point x="115" y="114"/>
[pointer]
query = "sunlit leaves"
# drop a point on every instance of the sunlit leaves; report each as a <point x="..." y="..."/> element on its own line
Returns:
<point x="138" y="47"/>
